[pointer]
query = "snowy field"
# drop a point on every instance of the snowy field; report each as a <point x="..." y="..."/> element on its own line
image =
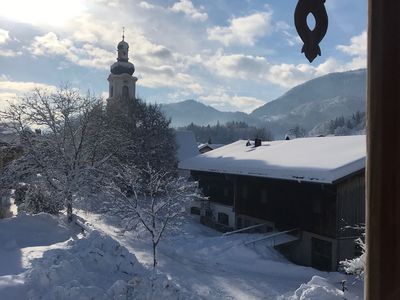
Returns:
<point x="41" y="257"/>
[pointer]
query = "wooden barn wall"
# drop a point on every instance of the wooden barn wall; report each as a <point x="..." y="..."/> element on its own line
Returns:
<point x="350" y="205"/>
<point x="289" y="204"/>
<point x="218" y="187"/>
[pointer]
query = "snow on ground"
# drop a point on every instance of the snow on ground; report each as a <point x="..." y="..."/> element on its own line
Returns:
<point x="41" y="257"/>
<point x="203" y="262"/>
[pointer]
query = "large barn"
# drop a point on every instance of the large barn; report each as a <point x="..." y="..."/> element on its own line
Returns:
<point x="315" y="185"/>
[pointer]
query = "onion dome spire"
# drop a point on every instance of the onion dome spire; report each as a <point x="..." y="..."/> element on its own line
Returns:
<point x="122" y="65"/>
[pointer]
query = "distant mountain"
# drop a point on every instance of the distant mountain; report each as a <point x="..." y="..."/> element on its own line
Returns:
<point x="308" y="105"/>
<point x="315" y="101"/>
<point x="190" y="111"/>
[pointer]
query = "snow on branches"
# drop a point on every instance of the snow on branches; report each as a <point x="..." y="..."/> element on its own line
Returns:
<point x="356" y="266"/>
<point x="154" y="199"/>
<point x="61" y="136"/>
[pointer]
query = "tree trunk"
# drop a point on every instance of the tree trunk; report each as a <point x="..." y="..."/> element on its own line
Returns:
<point x="154" y="255"/>
<point x="69" y="207"/>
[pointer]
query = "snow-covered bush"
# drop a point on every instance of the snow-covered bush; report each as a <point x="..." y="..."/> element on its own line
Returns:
<point x="356" y="266"/>
<point x="19" y="194"/>
<point x="37" y="199"/>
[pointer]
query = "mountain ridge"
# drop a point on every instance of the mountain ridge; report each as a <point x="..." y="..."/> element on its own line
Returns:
<point x="307" y="105"/>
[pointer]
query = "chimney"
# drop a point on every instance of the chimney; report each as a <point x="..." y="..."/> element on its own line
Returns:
<point x="257" y="142"/>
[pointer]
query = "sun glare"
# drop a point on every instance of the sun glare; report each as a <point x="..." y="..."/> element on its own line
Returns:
<point x="51" y="12"/>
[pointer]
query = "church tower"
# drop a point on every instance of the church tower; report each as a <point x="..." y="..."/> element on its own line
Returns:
<point x="122" y="83"/>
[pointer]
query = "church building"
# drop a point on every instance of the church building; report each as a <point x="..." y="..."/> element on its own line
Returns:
<point x="122" y="83"/>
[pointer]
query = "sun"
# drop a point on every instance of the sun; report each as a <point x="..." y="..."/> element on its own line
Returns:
<point x="42" y="12"/>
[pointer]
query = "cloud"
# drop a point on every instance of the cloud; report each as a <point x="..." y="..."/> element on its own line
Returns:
<point x="22" y="86"/>
<point x="357" y="49"/>
<point x="11" y="90"/>
<point x="9" y="53"/>
<point x="50" y="44"/>
<point x="258" y="68"/>
<point x="187" y="8"/>
<point x="242" y="66"/>
<point x="4" y="36"/>
<point x="86" y="55"/>
<point x="243" y="30"/>
<point x="146" y="5"/>
<point x="224" y="101"/>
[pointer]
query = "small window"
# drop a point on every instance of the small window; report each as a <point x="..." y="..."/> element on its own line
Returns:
<point x="195" y="210"/>
<point x="125" y="91"/>
<point x="223" y="218"/>
<point x="111" y="91"/>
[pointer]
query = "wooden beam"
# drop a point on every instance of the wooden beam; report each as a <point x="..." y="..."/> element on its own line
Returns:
<point x="383" y="147"/>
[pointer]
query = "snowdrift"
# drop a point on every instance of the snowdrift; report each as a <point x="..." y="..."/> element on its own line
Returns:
<point x="92" y="266"/>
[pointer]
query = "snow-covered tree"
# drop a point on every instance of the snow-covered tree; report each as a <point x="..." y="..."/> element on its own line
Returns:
<point x="296" y="132"/>
<point x="151" y="198"/>
<point x="144" y="136"/>
<point x="64" y="142"/>
<point x="356" y="266"/>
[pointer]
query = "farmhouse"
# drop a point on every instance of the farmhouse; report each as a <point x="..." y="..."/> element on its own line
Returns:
<point x="314" y="185"/>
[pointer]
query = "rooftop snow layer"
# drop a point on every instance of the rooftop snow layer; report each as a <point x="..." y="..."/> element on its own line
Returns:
<point x="315" y="159"/>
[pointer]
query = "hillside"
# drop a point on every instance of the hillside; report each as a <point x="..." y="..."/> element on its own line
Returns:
<point x="190" y="111"/>
<point x="316" y="101"/>
<point x="307" y="105"/>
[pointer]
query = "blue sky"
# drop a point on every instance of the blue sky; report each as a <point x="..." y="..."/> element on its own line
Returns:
<point x="230" y="54"/>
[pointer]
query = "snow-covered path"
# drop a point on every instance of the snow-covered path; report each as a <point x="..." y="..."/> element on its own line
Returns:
<point x="202" y="262"/>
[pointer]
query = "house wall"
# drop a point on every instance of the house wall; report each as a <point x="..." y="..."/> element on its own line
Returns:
<point x="350" y="205"/>
<point x="318" y="210"/>
<point x="303" y="253"/>
<point x="350" y="213"/>
<point x="288" y="204"/>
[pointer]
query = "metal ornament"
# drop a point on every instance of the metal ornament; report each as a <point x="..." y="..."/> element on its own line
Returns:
<point x="311" y="38"/>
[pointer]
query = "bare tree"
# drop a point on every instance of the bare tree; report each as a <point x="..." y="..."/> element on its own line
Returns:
<point x="63" y="141"/>
<point x="154" y="199"/>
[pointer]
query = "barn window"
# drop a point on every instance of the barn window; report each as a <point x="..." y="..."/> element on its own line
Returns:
<point x="195" y="210"/>
<point x="223" y="218"/>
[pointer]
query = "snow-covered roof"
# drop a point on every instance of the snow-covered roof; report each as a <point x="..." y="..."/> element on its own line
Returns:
<point x="187" y="146"/>
<point x="314" y="159"/>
